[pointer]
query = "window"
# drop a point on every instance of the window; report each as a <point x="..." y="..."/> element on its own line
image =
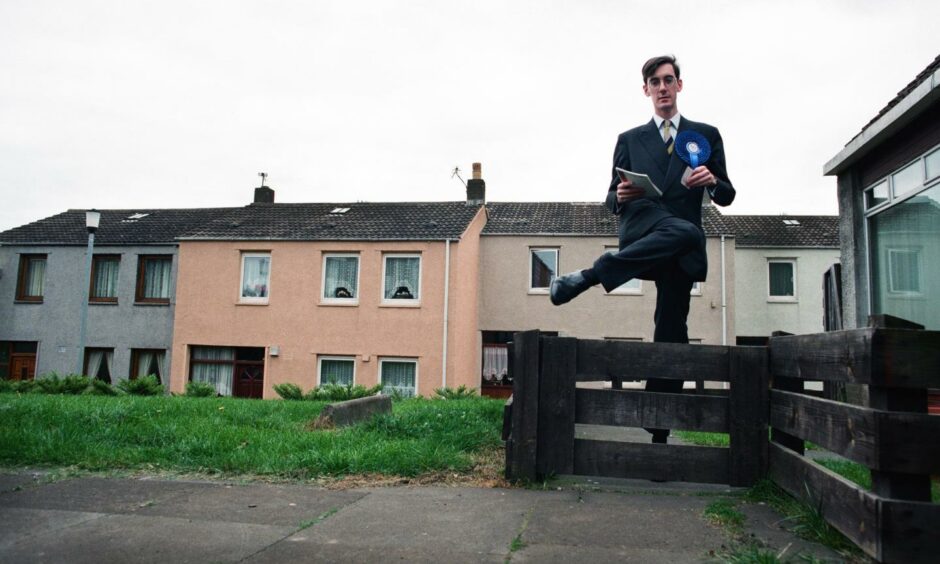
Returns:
<point x="908" y="178"/>
<point x="630" y="287"/>
<point x="148" y="362"/>
<point x="399" y="376"/>
<point x="904" y="271"/>
<point x="932" y="162"/>
<point x="339" y="370"/>
<point x="543" y="267"/>
<point x="781" y="280"/>
<point x="153" y="279"/>
<point x="495" y="363"/>
<point x="696" y="289"/>
<point x="256" y="277"/>
<point x="341" y="278"/>
<point x="876" y="195"/>
<point x="29" y="283"/>
<point x="99" y="363"/>
<point x="104" y="278"/>
<point x="402" y="278"/>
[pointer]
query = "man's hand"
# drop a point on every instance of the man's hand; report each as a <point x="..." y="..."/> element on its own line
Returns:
<point x="626" y="192"/>
<point x="700" y="176"/>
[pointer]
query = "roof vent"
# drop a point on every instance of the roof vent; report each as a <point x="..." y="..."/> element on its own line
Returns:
<point x="138" y="216"/>
<point x="339" y="210"/>
<point x="791" y="222"/>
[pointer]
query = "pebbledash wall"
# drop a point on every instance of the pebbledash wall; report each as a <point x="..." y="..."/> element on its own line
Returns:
<point x="54" y="323"/>
<point x="302" y="328"/>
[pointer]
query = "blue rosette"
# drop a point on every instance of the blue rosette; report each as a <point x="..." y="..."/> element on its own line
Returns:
<point x="692" y="148"/>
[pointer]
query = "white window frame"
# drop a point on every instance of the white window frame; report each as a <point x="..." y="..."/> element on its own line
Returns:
<point x="532" y="251"/>
<point x="320" y="360"/>
<point x="340" y="301"/>
<point x="920" y="272"/>
<point x="384" y="359"/>
<point x="401" y="302"/>
<point x="241" y="278"/>
<point x="697" y="288"/>
<point x="794" y="297"/>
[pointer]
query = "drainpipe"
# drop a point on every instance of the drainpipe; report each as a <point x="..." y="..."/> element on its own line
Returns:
<point x="724" y="301"/>
<point x="446" y="308"/>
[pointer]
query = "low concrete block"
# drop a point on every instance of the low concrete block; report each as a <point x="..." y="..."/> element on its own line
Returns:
<point x="353" y="411"/>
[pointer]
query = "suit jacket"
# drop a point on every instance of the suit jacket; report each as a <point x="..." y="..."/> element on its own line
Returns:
<point x="642" y="150"/>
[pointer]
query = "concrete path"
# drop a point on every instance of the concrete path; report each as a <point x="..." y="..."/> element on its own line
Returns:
<point x="99" y="520"/>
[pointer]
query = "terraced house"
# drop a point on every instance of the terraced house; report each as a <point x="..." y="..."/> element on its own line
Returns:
<point x="130" y="300"/>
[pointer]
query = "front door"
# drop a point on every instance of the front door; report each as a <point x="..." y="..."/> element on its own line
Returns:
<point x="249" y="380"/>
<point x="22" y="366"/>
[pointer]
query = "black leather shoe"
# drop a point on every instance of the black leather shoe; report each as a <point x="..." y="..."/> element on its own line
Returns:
<point x="566" y="288"/>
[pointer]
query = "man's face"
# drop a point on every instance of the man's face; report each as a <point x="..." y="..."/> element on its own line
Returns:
<point x="663" y="88"/>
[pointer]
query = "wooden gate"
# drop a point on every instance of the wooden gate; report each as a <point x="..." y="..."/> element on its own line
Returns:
<point x="547" y="404"/>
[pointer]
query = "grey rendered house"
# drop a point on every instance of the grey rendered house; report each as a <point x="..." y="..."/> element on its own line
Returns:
<point x="778" y="275"/>
<point x="130" y="298"/>
<point x="889" y="208"/>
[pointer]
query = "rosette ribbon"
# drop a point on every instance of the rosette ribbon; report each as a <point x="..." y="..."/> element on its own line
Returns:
<point x="693" y="148"/>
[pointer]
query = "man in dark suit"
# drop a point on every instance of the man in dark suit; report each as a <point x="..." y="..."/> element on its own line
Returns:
<point x="661" y="239"/>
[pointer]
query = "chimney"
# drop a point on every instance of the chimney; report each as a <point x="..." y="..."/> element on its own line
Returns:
<point x="264" y="195"/>
<point x="476" y="188"/>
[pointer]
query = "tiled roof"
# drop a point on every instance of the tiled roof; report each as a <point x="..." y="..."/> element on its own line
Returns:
<point x="117" y="227"/>
<point x="821" y="231"/>
<point x="570" y="218"/>
<point x="922" y="76"/>
<point x="362" y="221"/>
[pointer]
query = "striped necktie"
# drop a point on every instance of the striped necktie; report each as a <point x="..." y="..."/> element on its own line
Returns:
<point x="667" y="136"/>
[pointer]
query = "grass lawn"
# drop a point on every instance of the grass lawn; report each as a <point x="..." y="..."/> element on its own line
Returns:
<point x="237" y="436"/>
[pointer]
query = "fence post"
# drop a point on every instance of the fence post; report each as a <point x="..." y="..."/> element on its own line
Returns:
<point x="788" y="385"/>
<point x="522" y="444"/>
<point x="557" y="381"/>
<point x="897" y="485"/>
<point x="749" y="406"/>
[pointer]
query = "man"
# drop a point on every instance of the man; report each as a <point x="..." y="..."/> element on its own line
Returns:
<point x="661" y="239"/>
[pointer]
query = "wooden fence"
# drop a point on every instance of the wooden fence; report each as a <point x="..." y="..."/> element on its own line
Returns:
<point x="894" y="437"/>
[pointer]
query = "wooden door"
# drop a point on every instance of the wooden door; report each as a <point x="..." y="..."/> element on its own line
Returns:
<point x="249" y="380"/>
<point x="22" y="366"/>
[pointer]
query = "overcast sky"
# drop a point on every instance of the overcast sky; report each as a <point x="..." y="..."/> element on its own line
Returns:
<point x="134" y="104"/>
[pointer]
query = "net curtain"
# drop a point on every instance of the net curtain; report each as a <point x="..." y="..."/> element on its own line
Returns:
<point x="255" y="283"/>
<point x="157" y="278"/>
<point x="148" y="360"/>
<point x="341" y="272"/>
<point x="106" y="278"/>
<point x="98" y="358"/>
<point x="219" y="375"/>
<point x="336" y="372"/>
<point x="495" y="362"/>
<point x="399" y="376"/>
<point x="35" y="271"/>
<point x="401" y="277"/>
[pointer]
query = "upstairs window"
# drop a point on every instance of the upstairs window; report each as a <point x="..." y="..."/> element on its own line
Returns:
<point x="153" y="279"/>
<point x="402" y="278"/>
<point x="781" y="280"/>
<point x="29" y="283"/>
<point x="256" y="277"/>
<point x="543" y="268"/>
<point x="104" y="278"/>
<point x="341" y="278"/>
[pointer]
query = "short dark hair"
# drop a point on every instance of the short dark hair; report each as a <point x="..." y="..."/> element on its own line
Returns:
<point x="650" y="66"/>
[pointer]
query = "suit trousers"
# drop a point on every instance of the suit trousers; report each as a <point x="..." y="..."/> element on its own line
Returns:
<point x="655" y="256"/>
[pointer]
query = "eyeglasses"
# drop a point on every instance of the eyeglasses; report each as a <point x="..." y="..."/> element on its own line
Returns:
<point x="668" y="80"/>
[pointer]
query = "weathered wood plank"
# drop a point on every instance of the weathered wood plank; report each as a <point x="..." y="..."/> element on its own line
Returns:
<point x="749" y="411"/>
<point x="624" y="408"/>
<point x="910" y="531"/>
<point x="555" y="453"/>
<point x="619" y="360"/>
<point x="651" y="461"/>
<point x="846" y="506"/>
<point x="525" y="391"/>
<point x="900" y="358"/>
<point x="881" y="440"/>
<point x="780" y="436"/>
<point x="886" y="482"/>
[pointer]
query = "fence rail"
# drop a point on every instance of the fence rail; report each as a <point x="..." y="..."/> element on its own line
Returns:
<point x="893" y="437"/>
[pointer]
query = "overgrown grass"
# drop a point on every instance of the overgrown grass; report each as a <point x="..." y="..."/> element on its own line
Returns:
<point x="724" y="512"/>
<point x="236" y="436"/>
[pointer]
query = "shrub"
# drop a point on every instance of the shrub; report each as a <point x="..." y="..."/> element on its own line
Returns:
<point x="143" y="386"/>
<point x="75" y="384"/>
<point x="6" y="386"/>
<point x="200" y="390"/>
<point x="51" y="384"/>
<point x="337" y="392"/>
<point x="289" y="391"/>
<point x="462" y="392"/>
<point x="24" y="386"/>
<point x="101" y="388"/>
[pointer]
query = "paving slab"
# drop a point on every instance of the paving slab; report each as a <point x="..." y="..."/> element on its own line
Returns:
<point x="288" y="551"/>
<point x="17" y="523"/>
<point x="267" y="504"/>
<point x="103" y="495"/>
<point x="17" y="481"/>
<point x="565" y="554"/>
<point x="762" y="522"/>
<point x="139" y="539"/>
